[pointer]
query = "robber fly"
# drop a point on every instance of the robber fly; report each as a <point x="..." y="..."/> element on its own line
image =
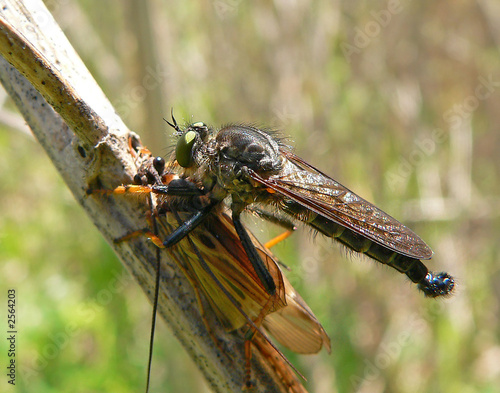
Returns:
<point x="257" y="171"/>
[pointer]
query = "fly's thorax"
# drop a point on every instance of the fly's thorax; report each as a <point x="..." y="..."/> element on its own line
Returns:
<point x="242" y="146"/>
<point x="235" y="151"/>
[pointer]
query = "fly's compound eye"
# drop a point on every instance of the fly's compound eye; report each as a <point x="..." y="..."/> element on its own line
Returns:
<point x="184" y="149"/>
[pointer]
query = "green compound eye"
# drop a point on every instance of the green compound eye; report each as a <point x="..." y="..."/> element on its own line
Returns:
<point x="184" y="148"/>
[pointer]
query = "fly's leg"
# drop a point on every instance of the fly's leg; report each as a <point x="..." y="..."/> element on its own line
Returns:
<point x="277" y="219"/>
<point x="189" y="225"/>
<point x="120" y="190"/>
<point x="142" y="232"/>
<point x="253" y="256"/>
<point x="278" y="239"/>
<point x="273" y="217"/>
<point x="148" y="232"/>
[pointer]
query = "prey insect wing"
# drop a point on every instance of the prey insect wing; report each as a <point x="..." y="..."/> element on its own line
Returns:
<point x="217" y="243"/>
<point x="286" y="316"/>
<point x="295" y="326"/>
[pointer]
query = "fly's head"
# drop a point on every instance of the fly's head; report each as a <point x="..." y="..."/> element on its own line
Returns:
<point x="225" y="158"/>
<point x="191" y="144"/>
<point x="195" y="155"/>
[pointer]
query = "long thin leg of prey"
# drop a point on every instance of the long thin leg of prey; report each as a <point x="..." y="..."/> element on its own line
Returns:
<point x="156" y="295"/>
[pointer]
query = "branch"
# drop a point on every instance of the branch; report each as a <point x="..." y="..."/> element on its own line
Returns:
<point x="88" y="143"/>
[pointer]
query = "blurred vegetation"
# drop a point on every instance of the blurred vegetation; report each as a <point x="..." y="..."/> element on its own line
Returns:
<point x="384" y="96"/>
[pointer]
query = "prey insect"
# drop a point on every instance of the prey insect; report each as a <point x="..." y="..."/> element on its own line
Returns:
<point x="252" y="167"/>
<point x="215" y="262"/>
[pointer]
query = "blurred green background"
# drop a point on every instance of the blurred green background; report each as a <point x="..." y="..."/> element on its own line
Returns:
<point x="396" y="100"/>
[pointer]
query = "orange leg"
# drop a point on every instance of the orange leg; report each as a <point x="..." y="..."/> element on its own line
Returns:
<point x="248" y="370"/>
<point x="142" y="232"/>
<point x="120" y="190"/>
<point x="271" y="243"/>
<point x="142" y="151"/>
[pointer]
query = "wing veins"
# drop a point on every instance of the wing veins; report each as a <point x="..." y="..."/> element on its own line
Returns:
<point x="392" y="234"/>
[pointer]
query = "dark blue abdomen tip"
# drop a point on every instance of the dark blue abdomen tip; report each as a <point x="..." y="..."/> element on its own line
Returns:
<point x="437" y="284"/>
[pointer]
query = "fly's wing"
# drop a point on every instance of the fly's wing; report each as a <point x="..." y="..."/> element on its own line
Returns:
<point x="295" y="326"/>
<point x="220" y="248"/>
<point x="319" y="193"/>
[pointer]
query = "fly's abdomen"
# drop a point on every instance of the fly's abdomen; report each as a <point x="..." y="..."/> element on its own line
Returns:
<point x="432" y="284"/>
<point x="413" y="268"/>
